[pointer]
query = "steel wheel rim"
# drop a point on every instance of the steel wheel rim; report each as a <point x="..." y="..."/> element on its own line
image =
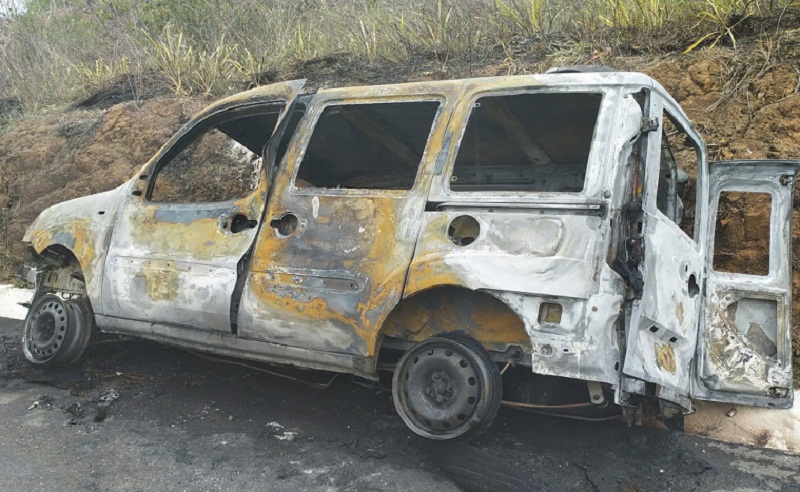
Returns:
<point x="45" y="330"/>
<point x="440" y="389"/>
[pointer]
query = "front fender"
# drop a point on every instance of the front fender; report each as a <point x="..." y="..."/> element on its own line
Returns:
<point x="83" y="226"/>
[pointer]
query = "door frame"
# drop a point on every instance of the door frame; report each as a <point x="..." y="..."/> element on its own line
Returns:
<point x="188" y="244"/>
<point x="312" y="308"/>
<point x="662" y="324"/>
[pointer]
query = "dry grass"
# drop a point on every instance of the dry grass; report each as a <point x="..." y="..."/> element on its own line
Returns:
<point x="62" y="50"/>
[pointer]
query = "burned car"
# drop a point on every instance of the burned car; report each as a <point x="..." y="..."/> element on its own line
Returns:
<point x="458" y="233"/>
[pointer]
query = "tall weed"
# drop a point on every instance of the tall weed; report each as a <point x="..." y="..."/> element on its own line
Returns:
<point x="57" y="51"/>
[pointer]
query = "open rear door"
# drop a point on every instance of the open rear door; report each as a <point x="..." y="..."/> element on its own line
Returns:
<point x="744" y="350"/>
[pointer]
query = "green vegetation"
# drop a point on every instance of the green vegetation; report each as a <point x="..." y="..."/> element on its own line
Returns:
<point x="61" y="50"/>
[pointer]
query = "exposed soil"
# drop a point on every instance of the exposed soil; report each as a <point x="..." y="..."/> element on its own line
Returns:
<point x="745" y="103"/>
<point x="49" y="159"/>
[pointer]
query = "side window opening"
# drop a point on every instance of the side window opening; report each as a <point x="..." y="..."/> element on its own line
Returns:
<point x="676" y="195"/>
<point x="537" y="142"/>
<point x="367" y="146"/>
<point x="221" y="160"/>
<point x="742" y="233"/>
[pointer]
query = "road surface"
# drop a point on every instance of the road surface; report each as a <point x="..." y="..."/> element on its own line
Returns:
<point x="139" y="416"/>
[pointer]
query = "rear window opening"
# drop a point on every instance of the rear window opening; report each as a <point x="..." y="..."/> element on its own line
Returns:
<point x="367" y="146"/>
<point x="742" y="233"/>
<point x="527" y="143"/>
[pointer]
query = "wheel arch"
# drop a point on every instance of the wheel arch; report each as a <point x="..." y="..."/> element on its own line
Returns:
<point x="63" y="270"/>
<point x="70" y="245"/>
<point x="449" y="308"/>
<point x="55" y="255"/>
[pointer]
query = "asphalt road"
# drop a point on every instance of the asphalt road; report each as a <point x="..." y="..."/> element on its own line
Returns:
<point x="138" y="416"/>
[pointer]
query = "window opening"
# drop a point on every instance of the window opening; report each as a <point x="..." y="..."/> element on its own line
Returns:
<point x="677" y="178"/>
<point x="220" y="160"/>
<point x="367" y="146"/>
<point x="536" y="142"/>
<point x="742" y="233"/>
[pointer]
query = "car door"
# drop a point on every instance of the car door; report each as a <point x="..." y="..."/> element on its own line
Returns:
<point x="344" y="217"/>
<point x="744" y="351"/>
<point x="662" y="331"/>
<point x="192" y="215"/>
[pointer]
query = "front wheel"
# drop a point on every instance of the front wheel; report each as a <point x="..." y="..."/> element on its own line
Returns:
<point x="445" y="388"/>
<point x="57" y="332"/>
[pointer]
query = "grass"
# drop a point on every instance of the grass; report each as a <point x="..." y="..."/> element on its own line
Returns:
<point x="60" y="50"/>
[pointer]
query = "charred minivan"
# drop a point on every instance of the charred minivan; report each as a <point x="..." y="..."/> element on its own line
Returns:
<point x="462" y="234"/>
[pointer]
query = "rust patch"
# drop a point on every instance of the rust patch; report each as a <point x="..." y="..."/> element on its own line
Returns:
<point x="428" y="268"/>
<point x="665" y="357"/>
<point x="198" y="239"/>
<point x="278" y="300"/>
<point x="161" y="284"/>
<point x="447" y="310"/>
<point x="76" y="235"/>
<point x="357" y="234"/>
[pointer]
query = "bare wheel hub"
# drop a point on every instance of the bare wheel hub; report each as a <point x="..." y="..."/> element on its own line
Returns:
<point x="441" y="389"/>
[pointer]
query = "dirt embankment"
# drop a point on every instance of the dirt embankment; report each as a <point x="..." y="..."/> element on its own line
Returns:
<point x="49" y="159"/>
<point x="748" y="112"/>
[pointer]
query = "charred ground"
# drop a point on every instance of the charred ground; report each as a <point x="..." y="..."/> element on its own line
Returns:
<point x="140" y="416"/>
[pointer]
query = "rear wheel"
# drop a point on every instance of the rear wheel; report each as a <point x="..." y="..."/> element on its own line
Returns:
<point x="56" y="331"/>
<point x="446" y="388"/>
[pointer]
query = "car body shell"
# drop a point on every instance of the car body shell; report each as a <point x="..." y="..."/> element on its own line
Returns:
<point x="367" y="266"/>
